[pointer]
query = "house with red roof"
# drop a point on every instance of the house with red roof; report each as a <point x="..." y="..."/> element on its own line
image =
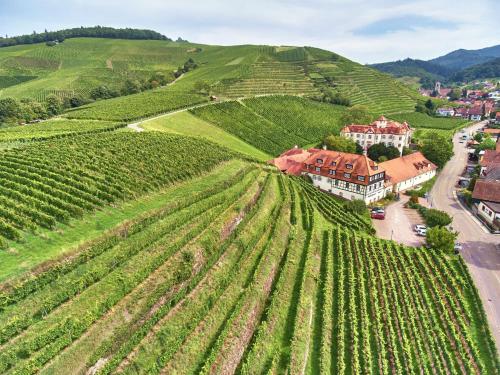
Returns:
<point x="390" y="133"/>
<point x="408" y="171"/>
<point x="290" y="162"/>
<point x="350" y="176"/>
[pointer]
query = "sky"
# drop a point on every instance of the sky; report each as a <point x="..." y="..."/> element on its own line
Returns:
<point x="367" y="31"/>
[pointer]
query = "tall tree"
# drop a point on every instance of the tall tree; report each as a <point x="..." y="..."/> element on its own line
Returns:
<point x="357" y="114"/>
<point x="437" y="149"/>
<point x="338" y="143"/>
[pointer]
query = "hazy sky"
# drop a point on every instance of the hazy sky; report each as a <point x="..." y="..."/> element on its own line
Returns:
<point x="364" y="30"/>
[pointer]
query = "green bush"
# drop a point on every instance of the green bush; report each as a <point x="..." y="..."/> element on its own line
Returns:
<point x="356" y="206"/>
<point x="436" y="218"/>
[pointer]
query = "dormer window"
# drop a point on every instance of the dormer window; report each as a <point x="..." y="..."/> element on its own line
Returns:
<point x="331" y="171"/>
<point x="348" y="166"/>
<point x="333" y="163"/>
<point x="318" y="169"/>
<point x="319" y="161"/>
<point x="361" y="178"/>
<point x="375" y="167"/>
<point x="347" y="175"/>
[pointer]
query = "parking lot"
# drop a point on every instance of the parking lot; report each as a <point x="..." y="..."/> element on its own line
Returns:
<point x="399" y="223"/>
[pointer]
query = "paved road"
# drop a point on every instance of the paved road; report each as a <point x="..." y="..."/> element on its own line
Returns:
<point x="398" y="224"/>
<point x="481" y="250"/>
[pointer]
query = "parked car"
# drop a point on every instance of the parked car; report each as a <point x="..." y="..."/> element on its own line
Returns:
<point x="378" y="213"/>
<point x="419" y="227"/>
<point x="422" y="232"/>
<point x="457" y="248"/>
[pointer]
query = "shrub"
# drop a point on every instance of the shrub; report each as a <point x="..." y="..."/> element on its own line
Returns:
<point x="436" y="218"/>
<point x="356" y="206"/>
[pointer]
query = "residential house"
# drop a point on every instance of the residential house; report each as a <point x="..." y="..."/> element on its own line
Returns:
<point x="497" y="118"/>
<point x="408" y="171"/>
<point x="486" y="199"/>
<point x="445" y="111"/>
<point x="350" y="176"/>
<point x="475" y="113"/>
<point x="390" y="133"/>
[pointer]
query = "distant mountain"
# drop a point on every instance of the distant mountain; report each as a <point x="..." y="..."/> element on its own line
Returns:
<point x="463" y="58"/>
<point x="485" y="70"/>
<point x="452" y="67"/>
<point x="414" y="68"/>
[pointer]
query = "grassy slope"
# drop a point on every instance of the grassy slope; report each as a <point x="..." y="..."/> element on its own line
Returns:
<point x="185" y="123"/>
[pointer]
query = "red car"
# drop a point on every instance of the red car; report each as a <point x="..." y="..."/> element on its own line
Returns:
<point x="378" y="213"/>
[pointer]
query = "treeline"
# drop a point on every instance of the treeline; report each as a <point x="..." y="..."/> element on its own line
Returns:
<point x="82" y="32"/>
<point x="488" y="69"/>
<point x="13" y="111"/>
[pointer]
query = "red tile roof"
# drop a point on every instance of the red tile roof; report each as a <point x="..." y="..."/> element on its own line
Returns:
<point x="487" y="190"/>
<point x="380" y="126"/>
<point x="406" y="167"/>
<point x="490" y="157"/>
<point x="360" y="165"/>
<point x="291" y="161"/>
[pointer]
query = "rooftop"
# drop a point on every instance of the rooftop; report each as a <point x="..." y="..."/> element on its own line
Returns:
<point x="487" y="190"/>
<point x="381" y="126"/>
<point x="406" y="167"/>
<point x="341" y="162"/>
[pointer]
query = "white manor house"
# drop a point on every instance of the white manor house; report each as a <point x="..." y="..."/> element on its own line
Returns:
<point x="390" y="133"/>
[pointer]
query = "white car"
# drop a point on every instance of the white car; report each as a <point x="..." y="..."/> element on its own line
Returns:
<point x="457" y="247"/>
<point x="419" y="227"/>
<point x="422" y="232"/>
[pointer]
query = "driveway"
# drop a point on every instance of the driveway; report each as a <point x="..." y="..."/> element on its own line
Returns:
<point x="398" y="224"/>
<point x="481" y="250"/>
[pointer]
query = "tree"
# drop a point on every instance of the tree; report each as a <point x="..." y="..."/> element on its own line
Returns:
<point x="356" y="206"/>
<point x="357" y="114"/>
<point x="131" y="87"/>
<point x="478" y="137"/>
<point x="487" y="144"/>
<point x="9" y="110"/>
<point x="54" y="105"/>
<point x="378" y="150"/>
<point x="202" y="87"/>
<point x="455" y="94"/>
<point x="436" y="218"/>
<point x="437" y="148"/>
<point x="440" y="238"/>
<point x="339" y="143"/>
<point x="431" y="107"/>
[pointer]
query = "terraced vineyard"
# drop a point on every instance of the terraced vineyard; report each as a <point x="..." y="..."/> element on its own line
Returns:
<point x="245" y="275"/>
<point x="421" y="120"/>
<point x="55" y="181"/>
<point x="362" y="85"/>
<point x="55" y="128"/>
<point x="271" y="77"/>
<point x="263" y="123"/>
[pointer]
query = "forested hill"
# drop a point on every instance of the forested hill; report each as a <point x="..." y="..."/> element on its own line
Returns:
<point x="460" y="65"/>
<point x="82" y="32"/>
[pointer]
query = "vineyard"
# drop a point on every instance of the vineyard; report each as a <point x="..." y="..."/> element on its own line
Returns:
<point x="379" y="92"/>
<point x="56" y="128"/>
<point x="136" y="106"/>
<point x="52" y="182"/>
<point x="263" y="123"/>
<point x="421" y="120"/>
<point x="249" y="274"/>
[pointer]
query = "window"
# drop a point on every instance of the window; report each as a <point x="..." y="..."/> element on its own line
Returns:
<point x="383" y="136"/>
<point x="369" y="136"/>
<point x="375" y="167"/>
<point x="358" y="188"/>
<point x="331" y="171"/>
<point x="333" y="163"/>
<point x="357" y="135"/>
<point x="348" y="166"/>
<point x="318" y="169"/>
<point x="347" y="185"/>
<point x="336" y="182"/>
<point x="361" y="178"/>
<point x="319" y="161"/>
<point x="347" y="175"/>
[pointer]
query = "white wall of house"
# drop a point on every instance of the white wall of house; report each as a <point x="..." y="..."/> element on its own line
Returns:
<point x="366" y="140"/>
<point x="488" y="214"/>
<point x="414" y="181"/>
<point x="350" y="191"/>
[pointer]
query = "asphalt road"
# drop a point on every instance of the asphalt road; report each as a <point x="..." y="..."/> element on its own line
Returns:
<point x="481" y="250"/>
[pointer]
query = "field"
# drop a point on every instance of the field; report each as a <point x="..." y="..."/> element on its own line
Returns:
<point x="55" y="181"/>
<point x="56" y="128"/>
<point x="421" y="120"/>
<point x="247" y="273"/>
<point x="264" y="124"/>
